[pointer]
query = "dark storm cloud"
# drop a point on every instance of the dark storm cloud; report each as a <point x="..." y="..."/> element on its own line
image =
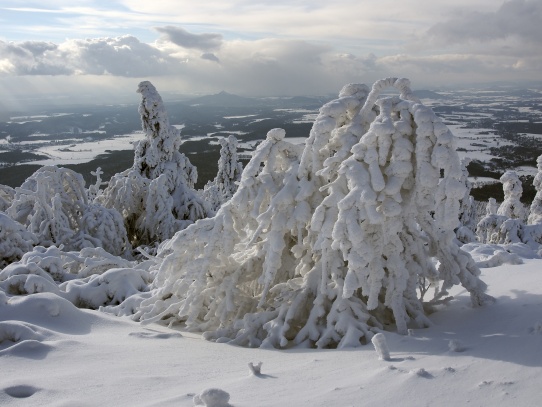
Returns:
<point x="179" y="36"/>
<point x="210" y="57"/>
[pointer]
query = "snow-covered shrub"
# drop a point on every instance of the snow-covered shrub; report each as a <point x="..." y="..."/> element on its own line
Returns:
<point x="6" y="197"/>
<point x="324" y="245"/>
<point x="52" y="204"/>
<point x="492" y="255"/>
<point x="90" y="278"/>
<point x="224" y="185"/>
<point x="156" y="196"/>
<point x="15" y="240"/>
<point x="535" y="215"/>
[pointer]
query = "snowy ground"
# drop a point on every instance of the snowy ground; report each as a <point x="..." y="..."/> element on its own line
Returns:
<point x="53" y="354"/>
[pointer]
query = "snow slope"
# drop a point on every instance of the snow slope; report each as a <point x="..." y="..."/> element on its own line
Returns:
<point x="54" y="354"/>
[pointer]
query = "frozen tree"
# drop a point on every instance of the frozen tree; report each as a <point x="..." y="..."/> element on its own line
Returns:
<point x="488" y="227"/>
<point x="511" y="207"/>
<point x="52" y="204"/>
<point x="507" y="224"/>
<point x="492" y="206"/>
<point x="94" y="189"/>
<point x="15" y="240"/>
<point x="323" y="246"/>
<point x="222" y="188"/>
<point x="467" y="210"/>
<point x="159" y="171"/>
<point x="535" y="215"/>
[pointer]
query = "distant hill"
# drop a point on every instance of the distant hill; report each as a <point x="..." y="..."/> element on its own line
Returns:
<point x="302" y="101"/>
<point x="224" y="99"/>
<point x="429" y="94"/>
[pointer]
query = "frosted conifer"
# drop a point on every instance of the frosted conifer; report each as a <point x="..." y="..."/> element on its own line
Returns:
<point x="324" y="246"/>
<point x="511" y="207"/>
<point x="224" y="185"/>
<point x="507" y="225"/>
<point x="157" y="155"/>
<point x="535" y="215"/>
<point x="467" y="226"/>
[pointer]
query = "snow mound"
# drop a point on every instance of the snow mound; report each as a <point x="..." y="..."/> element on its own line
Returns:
<point x="212" y="398"/>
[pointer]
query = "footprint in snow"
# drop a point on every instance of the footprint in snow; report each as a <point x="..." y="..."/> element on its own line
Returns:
<point x="21" y="391"/>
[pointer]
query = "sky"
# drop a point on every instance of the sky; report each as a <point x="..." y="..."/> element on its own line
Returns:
<point x="69" y="51"/>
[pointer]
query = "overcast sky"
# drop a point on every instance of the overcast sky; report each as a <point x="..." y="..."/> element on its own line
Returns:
<point x="72" y="50"/>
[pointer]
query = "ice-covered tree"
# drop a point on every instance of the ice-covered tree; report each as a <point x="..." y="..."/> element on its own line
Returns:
<point x="535" y="215"/>
<point x="224" y="185"/>
<point x="467" y="211"/>
<point x="511" y="207"/>
<point x="324" y="246"/>
<point x="507" y="224"/>
<point x="487" y="229"/>
<point x="159" y="170"/>
<point x="52" y="204"/>
<point x="94" y="189"/>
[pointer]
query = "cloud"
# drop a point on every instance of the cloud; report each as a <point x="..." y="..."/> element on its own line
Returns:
<point x="210" y="57"/>
<point x="516" y="18"/>
<point x="182" y="38"/>
<point x="270" y="66"/>
<point x="121" y="56"/>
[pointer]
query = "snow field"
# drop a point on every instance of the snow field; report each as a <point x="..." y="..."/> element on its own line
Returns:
<point x="67" y="356"/>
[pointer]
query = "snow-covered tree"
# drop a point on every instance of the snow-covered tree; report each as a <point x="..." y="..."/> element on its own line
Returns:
<point x="160" y="171"/>
<point x="506" y="225"/>
<point x="492" y="206"/>
<point x="52" y="204"/>
<point x="488" y="227"/>
<point x="222" y="188"/>
<point x="467" y="211"/>
<point x="94" y="189"/>
<point x="324" y="246"/>
<point x="511" y="207"/>
<point x="535" y="215"/>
